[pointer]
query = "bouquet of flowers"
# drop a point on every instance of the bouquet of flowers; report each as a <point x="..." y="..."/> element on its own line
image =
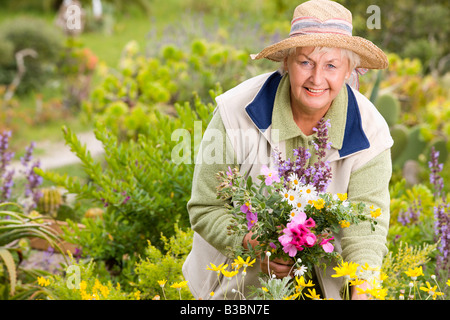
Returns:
<point x="289" y="211"/>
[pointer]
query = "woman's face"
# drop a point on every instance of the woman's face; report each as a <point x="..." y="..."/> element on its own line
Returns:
<point x="316" y="80"/>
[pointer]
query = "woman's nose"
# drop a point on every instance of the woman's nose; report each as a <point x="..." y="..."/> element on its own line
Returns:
<point x="316" y="75"/>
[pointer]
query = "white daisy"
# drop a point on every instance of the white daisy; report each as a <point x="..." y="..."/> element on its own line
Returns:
<point x="300" y="271"/>
<point x="294" y="180"/>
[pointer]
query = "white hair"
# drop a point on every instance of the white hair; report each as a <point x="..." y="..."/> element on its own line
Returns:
<point x="353" y="58"/>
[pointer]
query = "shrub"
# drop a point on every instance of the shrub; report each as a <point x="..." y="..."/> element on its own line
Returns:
<point x="156" y="266"/>
<point x="143" y="190"/>
<point x="32" y="33"/>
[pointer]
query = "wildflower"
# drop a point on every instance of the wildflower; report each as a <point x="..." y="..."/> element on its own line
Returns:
<point x="162" y="283"/>
<point x="302" y="284"/>
<point x="291" y="297"/>
<point x="378" y="293"/>
<point x="293" y="179"/>
<point x="179" y="285"/>
<point x="43" y="282"/>
<point x="448" y="282"/>
<point x="273" y="246"/>
<point x="309" y="192"/>
<point x="300" y="271"/>
<point x="342" y="196"/>
<point x="239" y="262"/>
<point x="346" y="269"/>
<point x="218" y="269"/>
<point x="366" y="267"/>
<point x="414" y="273"/>
<point x="319" y="203"/>
<point x="137" y="295"/>
<point x="376" y="213"/>
<point x="383" y="276"/>
<point x="104" y="290"/>
<point x="265" y="289"/>
<point x="297" y="235"/>
<point x="211" y="293"/>
<point x="356" y="282"/>
<point x="252" y="219"/>
<point x="246" y="207"/>
<point x="229" y="274"/>
<point x="270" y="174"/>
<point x="312" y="294"/>
<point x="344" y="224"/>
<point x="432" y="291"/>
<point x="83" y="285"/>
<point x="327" y="246"/>
<point x="436" y="180"/>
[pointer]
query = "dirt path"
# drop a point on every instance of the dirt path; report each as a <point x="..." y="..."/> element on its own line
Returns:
<point x="58" y="154"/>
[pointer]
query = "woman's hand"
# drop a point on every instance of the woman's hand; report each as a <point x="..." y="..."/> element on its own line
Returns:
<point x="280" y="267"/>
<point x="360" y="296"/>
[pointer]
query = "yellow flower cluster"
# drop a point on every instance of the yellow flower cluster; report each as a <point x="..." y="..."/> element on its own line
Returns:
<point x="43" y="282"/>
<point x="372" y="288"/>
<point x="375" y="213"/>
<point x="98" y="292"/>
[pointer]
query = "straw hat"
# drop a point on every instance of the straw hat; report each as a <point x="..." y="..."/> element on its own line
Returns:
<point x="325" y="23"/>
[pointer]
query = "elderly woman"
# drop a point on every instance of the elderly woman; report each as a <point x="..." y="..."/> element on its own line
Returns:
<point x="279" y="110"/>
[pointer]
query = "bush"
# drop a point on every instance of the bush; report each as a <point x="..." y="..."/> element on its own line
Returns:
<point x="32" y="33"/>
<point x="143" y="190"/>
<point x="156" y="266"/>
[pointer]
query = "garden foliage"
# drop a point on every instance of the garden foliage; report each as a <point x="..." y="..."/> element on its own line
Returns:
<point x="143" y="191"/>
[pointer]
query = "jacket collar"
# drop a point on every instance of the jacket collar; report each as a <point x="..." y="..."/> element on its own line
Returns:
<point x="270" y="109"/>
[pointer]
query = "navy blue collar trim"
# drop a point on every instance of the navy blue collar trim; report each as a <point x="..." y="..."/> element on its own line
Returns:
<point x="354" y="137"/>
<point x="261" y="108"/>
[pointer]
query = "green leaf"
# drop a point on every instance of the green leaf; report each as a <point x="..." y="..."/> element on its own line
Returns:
<point x="11" y="267"/>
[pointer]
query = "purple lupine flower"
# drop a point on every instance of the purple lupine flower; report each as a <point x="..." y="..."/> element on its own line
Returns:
<point x="411" y="216"/>
<point x="33" y="183"/>
<point x="442" y="232"/>
<point x="441" y="213"/>
<point x="28" y="154"/>
<point x="7" y="185"/>
<point x="5" y="155"/>
<point x="435" y="167"/>
<point x="319" y="174"/>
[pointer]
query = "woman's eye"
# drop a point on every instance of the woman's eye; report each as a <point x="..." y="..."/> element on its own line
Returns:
<point x="306" y="63"/>
<point x="331" y="66"/>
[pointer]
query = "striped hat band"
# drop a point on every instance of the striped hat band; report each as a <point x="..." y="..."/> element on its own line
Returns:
<point x="309" y="25"/>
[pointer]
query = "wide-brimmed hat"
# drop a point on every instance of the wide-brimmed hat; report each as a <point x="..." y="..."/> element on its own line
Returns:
<point x="325" y="23"/>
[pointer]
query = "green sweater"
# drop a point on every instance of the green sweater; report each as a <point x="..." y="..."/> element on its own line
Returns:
<point x="369" y="184"/>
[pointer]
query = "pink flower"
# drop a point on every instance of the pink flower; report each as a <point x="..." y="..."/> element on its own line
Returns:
<point x="270" y="174"/>
<point x="296" y="236"/>
<point x="252" y="218"/>
<point x="309" y="239"/>
<point x="327" y="245"/>
<point x="245" y="208"/>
